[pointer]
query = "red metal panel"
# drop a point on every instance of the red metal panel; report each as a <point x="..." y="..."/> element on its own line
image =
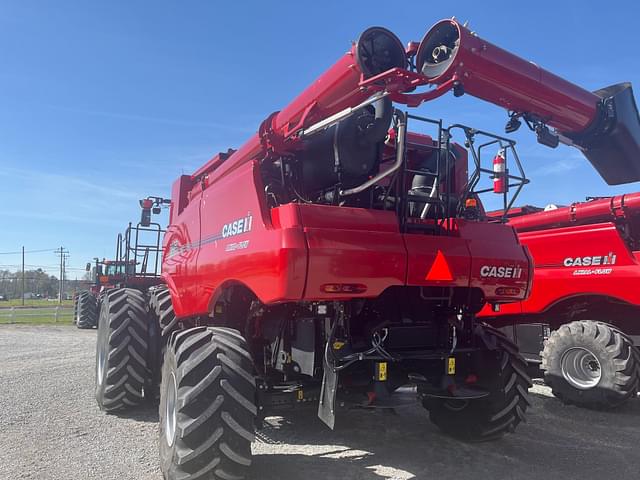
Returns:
<point x="180" y="255"/>
<point x="345" y="218"/>
<point x="422" y="251"/>
<point x="352" y="245"/>
<point x="271" y="262"/>
<point x="493" y="245"/>
<point x="375" y="259"/>
<point x="581" y="260"/>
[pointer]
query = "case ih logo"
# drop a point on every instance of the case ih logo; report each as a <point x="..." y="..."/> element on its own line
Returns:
<point x="237" y="227"/>
<point x="590" y="261"/>
<point x="491" y="271"/>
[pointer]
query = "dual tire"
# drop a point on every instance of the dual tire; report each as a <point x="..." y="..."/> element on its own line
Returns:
<point x="208" y="391"/>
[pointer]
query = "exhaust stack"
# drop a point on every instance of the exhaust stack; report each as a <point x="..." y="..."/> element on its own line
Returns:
<point x="603" y="124"/>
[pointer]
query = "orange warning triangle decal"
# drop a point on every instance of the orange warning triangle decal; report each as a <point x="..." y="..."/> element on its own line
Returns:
<point x="440" y="269"/>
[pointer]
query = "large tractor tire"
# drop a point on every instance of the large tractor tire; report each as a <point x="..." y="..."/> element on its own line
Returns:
<point x="501" y="371"/>
<point x="591" y="364"/>
<point x="86" y="310"/>
<point x="161" y="306"/>
<point x="122" y="372"/>
<point x="207" y="405"/>
<point x="164" y="323"/>
<point x="75" y="309"/>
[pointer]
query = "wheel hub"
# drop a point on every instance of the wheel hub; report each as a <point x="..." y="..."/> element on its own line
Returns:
<point x="581" y="368"/>
<point x="170" y="410"/>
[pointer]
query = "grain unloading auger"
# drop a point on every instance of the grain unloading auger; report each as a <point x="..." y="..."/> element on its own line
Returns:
<point x="604" y="125"/>
<point x="332" y="259"/>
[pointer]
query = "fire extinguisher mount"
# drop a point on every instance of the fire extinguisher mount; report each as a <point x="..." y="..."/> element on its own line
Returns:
<point x="485" y="147"/>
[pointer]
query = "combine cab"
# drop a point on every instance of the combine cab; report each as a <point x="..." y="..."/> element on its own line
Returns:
<point x="341" y="253"/>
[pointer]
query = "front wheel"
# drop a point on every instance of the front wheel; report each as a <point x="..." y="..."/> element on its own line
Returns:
<point x="591" y="364"/>
<point x="207" y="405"/>
<point x="502" y="372"/>
<point x="121" y="355"/>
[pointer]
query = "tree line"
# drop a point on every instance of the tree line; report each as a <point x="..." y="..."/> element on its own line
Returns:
<point x="36" y="282"/>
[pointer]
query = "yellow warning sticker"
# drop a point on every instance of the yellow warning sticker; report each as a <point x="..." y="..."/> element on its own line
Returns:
<point x="382" y="371"/>
<point x="451" y="366"/>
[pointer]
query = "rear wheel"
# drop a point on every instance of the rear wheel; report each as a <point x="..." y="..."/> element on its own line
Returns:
<point x="163" y="324"/>
<point x="207" y="405"/>
<point x="121" y="356"/>
<point x="501" y="371"/>
<point x="86" y="310"/>
<point x="591" y="364"/>
<point x="75" y="308"/>
<point x="161" y="306"/>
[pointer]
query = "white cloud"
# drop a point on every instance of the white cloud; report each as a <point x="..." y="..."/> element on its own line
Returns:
<point x="39" y="179"/>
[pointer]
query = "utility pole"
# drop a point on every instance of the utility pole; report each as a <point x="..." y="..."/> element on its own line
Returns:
<point x="62" y="252"/>
<point x="64" y="269"/>
<point x="23" y="275"/>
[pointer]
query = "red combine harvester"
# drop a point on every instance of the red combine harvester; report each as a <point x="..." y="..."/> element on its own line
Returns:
<point x="137" y="264"/>
<point x="585" y="289"/>
<point x="337" y="256"/>
<point x="106" y="274"/>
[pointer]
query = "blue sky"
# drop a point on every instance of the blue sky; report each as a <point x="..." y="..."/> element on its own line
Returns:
<point x="104" y="103"/>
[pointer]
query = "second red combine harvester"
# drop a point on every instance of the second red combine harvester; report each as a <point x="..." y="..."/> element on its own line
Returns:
<point x="337" y="256"/>
<point x="585" y="290"/>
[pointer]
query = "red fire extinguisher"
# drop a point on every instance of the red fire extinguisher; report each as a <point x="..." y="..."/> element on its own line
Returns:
<point x="500" y="172"/>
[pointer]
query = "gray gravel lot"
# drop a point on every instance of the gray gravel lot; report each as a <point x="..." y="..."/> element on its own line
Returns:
<point x="50" y="428"/>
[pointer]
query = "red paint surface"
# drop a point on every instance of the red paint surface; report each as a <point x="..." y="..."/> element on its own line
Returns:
<point x="502" y="78"/>
<point x="587" y="229"/>
<point x="292" y="250"/>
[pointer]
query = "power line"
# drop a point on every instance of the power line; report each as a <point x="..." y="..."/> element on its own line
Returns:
<point x="34" y="265"/>
<point x="19" y="252"/>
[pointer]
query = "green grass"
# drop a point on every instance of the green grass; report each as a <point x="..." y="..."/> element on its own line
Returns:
<point x="36" y="314"/>
<point x="37" y="320"/>
<point x="36" y="302"/>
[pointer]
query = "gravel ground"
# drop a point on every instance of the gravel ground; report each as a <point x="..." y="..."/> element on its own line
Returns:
<point x="51" y="428"/>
